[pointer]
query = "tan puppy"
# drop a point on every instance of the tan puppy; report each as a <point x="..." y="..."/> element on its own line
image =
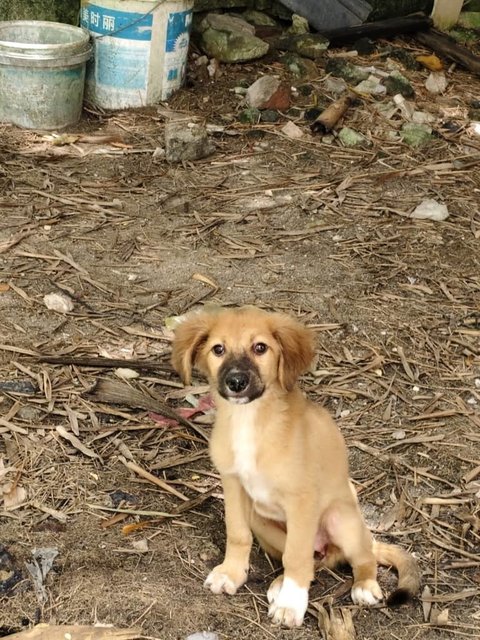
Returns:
<point x="282" y="460"/>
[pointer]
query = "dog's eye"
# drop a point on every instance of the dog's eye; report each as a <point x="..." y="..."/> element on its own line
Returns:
<point x="218" y="349"/>
<point x="259" y="348"/>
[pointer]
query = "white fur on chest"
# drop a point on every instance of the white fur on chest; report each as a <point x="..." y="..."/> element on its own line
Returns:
<point x="245" y="453"/>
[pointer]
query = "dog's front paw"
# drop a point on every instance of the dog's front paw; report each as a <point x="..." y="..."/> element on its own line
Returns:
<point x="288" y="602"/>
<point x="225" y="579"/>
<point x="366" y="593"/>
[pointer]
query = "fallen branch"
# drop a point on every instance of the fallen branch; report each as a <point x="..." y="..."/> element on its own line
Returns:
<point x="440" y="43"/>
<point x="104" y="363"/>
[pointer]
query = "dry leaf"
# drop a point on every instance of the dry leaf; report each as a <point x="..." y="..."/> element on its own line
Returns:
<point x="439" y="618"/>
<point x="426" y="604"/>
<point x="336" y="624"/>
<point x="206" y="280"/>
<point x="13" y="495"/>
<point x="433" y="63"/>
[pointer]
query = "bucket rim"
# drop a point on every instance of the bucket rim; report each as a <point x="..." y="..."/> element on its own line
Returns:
<point x="83" y="39"/>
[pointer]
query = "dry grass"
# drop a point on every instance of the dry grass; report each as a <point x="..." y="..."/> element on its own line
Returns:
<point x="299" y="225"/>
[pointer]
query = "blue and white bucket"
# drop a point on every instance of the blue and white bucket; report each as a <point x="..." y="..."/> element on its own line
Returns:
<point x="140" y="50"/>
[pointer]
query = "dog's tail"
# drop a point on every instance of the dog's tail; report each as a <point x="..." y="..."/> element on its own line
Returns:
<point x="406" y="567"/>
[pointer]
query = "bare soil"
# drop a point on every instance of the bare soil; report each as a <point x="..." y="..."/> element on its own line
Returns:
<point x="301" y="225"/>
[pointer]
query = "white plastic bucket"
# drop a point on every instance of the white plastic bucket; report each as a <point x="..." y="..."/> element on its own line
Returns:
<point x="140" y="50"/>
<point x="42" y="73"/>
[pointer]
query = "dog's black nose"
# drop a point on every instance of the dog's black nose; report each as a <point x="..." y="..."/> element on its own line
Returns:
<point x="237" y="381"/>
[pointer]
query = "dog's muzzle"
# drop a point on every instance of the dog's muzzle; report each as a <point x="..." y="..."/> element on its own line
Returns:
<point x="239" y="381"/>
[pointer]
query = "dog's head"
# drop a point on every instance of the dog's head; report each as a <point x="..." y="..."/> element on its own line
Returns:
<point x="243" y="351"/>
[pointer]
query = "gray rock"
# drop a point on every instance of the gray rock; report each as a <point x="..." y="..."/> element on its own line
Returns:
<point x="351" y="138"/>
<point x="299" y="25"/>
<point x="300" y="67"/>
<point x="203" y="635"/>
<point x="230" y="39"/>
<point x="269" y="115"/>
<point x="341" y="68"/>
<point x="416" y="134"/>
<point x="308" y="45"/>
<point x="371" y="86"/>
<point x="397" y="83"/>
<point x="430" y="210"/>
<point x="268" y="92"/>
<point x="186" y="141"/>
<point x="250" y="116"/>
<point x="258" y="18"/>
<point x="337" y="86"/>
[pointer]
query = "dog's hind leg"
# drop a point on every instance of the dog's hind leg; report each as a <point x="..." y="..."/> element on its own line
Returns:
<point x="347" y="531"/>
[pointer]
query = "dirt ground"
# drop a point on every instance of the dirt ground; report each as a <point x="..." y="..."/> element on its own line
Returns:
<point x="303" y="226"/>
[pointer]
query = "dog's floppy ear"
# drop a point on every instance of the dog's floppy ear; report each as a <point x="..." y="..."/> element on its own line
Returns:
<point x="190" y="334"/>
<point x="296" y="348"/>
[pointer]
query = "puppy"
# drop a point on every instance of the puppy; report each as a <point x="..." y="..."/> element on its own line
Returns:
<point x="282" y="461"/>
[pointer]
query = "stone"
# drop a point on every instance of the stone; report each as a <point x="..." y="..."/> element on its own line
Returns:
<point x="250" y="116"/>
<point x="305" y="89"/>
<point x="436" y="82"/>
<point x="351" y="138"/>
<point x="292" y="130"/>
<point x="268" y="92"/>
<point x="423" y="117"/>
<point x="298" y="66"/>
<point x="337" y="86"/>
<point x="397" y="83"/>
<point x="203" y="635"/>
<point x="430" y="209"/>
<point x="269" y="115"/>
<point x="258" y="18"/>
<point x="230" y="39"/>
<point x="299" y="25"/>
<point x="59" y="302"/>
<point x="341" y="68"/>
<point x="186" y="141"/>
<point x="415" y="134"/>
<point x="364" y="46"/>
<point x="371" y="86"/>
<point x="308" y="45"/>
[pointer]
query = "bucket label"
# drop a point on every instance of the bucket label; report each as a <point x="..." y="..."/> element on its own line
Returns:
<point x="176" y="47"/>
<point x="119" y="24"/>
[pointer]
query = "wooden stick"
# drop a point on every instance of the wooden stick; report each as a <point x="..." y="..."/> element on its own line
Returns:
<point x="151" y="478"/>
<point x="108" y="363"/>
<point x="444" y="45"/>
